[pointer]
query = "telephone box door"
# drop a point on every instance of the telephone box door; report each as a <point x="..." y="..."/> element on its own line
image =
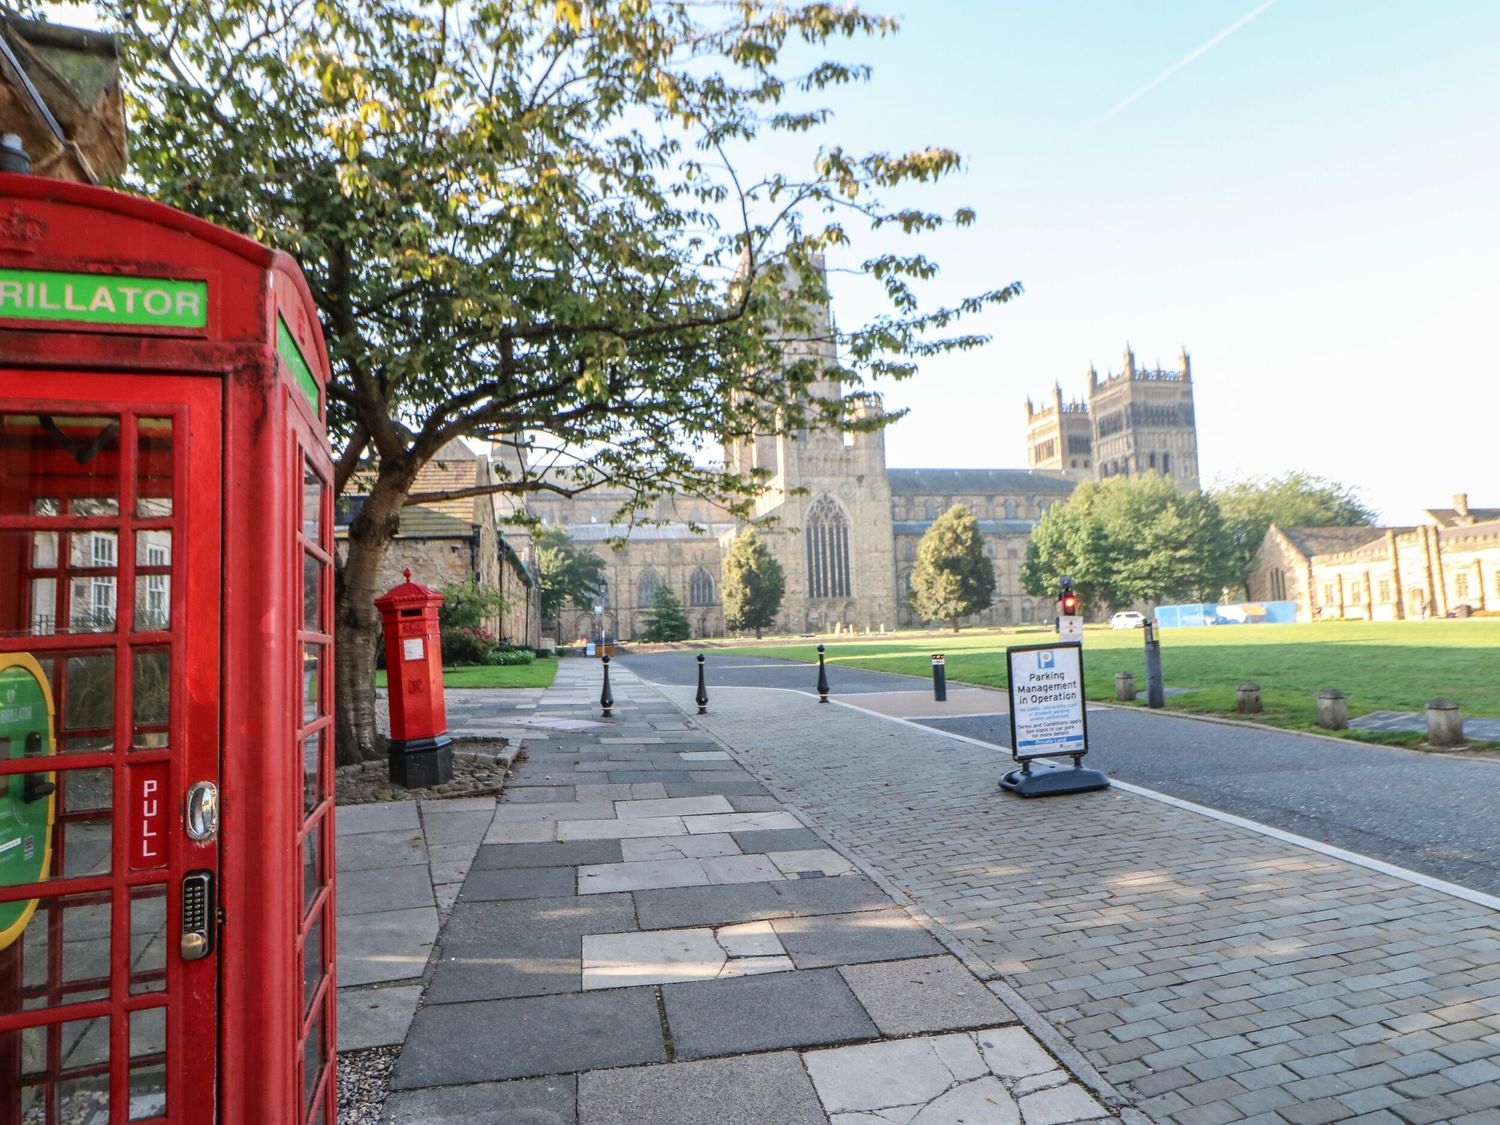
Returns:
<point x="109" y="639"/>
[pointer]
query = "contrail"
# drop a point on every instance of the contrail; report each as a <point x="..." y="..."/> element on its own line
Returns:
<point x="1191" y="56"/>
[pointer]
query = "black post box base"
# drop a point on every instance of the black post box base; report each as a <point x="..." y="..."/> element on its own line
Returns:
<point x="421" y="762"/>
<point x="1047" y="779"/>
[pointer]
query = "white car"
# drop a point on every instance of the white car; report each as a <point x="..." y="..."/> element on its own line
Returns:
<point x="1127" y="619"/>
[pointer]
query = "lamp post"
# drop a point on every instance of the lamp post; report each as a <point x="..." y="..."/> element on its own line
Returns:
<point x="599" y="609"/>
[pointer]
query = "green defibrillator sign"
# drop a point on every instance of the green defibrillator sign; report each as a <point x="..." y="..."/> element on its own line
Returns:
<point x="26" y="799"/>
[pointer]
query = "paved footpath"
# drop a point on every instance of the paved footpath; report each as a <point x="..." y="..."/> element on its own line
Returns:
<point x="639" y="931"/>
<point x="1211" y="973"/>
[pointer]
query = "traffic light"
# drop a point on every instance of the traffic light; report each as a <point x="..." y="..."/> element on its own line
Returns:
<point x="1067" y="597"/>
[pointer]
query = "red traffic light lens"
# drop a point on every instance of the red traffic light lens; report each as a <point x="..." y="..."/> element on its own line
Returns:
<point x="1070" y="603"/>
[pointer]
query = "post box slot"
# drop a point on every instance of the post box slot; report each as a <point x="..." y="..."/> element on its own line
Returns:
<point x="411" y="613"/>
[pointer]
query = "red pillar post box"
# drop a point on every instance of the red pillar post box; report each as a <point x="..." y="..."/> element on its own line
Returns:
<point x="166" y="626"/>
<point x="420" y="753"/>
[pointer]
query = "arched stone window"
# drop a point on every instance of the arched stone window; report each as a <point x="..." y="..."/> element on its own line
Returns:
<point x="645" y="588"/>
<point x="908" y="550"/>
<point x="931" y="510"/>
<point x="1010" y="509"/>
<point x="827" y="535"/>
<point x="701" y="588"/>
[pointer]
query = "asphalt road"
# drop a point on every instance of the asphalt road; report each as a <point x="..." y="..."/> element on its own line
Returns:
<point x="1435" y="814"/>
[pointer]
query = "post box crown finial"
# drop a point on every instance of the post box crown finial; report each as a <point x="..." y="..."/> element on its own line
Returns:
<point x="407" y="572"/>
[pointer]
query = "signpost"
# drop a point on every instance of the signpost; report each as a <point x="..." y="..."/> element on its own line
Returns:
<point x="1048" y="717"/>
<point x="1070" y="627"/>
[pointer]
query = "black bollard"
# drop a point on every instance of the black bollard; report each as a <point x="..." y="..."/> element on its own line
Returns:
<point x="939" y="678"/>
<point x="702" y="699"/>
<point x="606" y="699"/>
<point x="1154" y="693"/>
<point x="822" y="678"/>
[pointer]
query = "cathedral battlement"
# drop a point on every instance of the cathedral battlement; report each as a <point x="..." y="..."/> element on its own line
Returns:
<point x="1138" y="420"/>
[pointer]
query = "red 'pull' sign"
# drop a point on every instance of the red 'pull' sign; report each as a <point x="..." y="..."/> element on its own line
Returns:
<point x="148" y="800"/>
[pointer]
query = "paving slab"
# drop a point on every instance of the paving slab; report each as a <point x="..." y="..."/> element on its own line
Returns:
<point x="398" y="888"/>
<point x="531" y="924"/>
<point x="561" y="810"/>
<point x="740" y="822"/>
<point x="526" y="1101"/>
<point x="491" y="857"/>
<point x="747" y="902"/>
<point x="551" y="966"/>
<point x="386" y="946"/>
<point x="824" y="861"/>
<point x="450" y="863"/>
<point x="673" y="806"/>
<point x="644" y="875"/>
<point x="923" y="995"/>
<point x="750" y="1090"/>
<point x="389" y="816"/>
<point x="497" y="1039"/>
<point x="761" y="1013"/>
<point x="522" y="882"/>
<point x="621" y="829"/>
<point x="720" y="788"/>
<point x="366" y="851"/>
<point x="677" y="847"/>
<point x="816" y="941"/>
<point x="375" y="1017"/>
<point x="529" y="832"/>
<point x="778" y="840"/>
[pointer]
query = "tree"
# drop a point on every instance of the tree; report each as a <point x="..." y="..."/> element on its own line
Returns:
<point x="667" y="621"/>
<point x="566" y="574"/>
<point x="753" y="584"/>
<point x="953" y="576"/>
<point x="1130" y="539"/>
<point x="1294" y="499"/>
<point x="528" y="223"/>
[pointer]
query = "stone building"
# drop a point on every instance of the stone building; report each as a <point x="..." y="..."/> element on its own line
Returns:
<point x="1139" y="421"/>
<point x="1385" y="573"/>
<point x="458" y="540"/>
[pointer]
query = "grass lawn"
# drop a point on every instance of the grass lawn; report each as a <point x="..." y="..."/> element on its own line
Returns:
<point x="1380" y="666"/>
<point x="539" y="673"/>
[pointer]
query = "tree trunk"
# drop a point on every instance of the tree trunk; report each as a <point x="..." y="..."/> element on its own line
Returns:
<point x="357" y="622"/>
<point x="955" y="624"/>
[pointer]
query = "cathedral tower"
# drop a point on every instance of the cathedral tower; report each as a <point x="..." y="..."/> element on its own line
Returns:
<point x="1143" y="422"/>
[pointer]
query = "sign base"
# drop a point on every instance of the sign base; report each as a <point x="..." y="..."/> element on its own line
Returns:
<point x="1048" y="779"/>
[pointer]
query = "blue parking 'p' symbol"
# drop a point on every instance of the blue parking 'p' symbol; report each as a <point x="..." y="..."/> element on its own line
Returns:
<point x="1045" y="660"/>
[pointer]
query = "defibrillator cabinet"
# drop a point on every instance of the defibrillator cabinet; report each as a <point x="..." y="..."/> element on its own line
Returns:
<point x="166" y="829"/>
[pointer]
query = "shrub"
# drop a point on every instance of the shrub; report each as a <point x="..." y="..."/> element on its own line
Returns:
<point x="463" y="620"/>
<point x="509" y="654"/>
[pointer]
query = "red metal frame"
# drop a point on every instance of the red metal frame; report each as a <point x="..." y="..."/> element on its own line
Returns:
<point x="236" y="1020"/>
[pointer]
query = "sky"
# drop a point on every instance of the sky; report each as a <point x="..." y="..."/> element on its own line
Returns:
<point x="1303" y="193"/>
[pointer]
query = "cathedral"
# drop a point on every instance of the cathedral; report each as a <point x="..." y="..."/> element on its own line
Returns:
<point x="845" y="527"/>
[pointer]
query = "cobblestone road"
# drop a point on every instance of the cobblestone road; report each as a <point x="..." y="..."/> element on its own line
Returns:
<point x="1216" y="974"/>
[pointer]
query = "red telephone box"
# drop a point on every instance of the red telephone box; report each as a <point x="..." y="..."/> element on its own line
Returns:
<point x="167" y="932"/>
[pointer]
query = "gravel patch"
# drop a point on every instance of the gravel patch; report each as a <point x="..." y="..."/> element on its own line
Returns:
<point x="479" y="769"/>
<point x="364" y="1081"/>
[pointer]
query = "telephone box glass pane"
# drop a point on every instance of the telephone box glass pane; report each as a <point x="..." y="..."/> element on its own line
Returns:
<point x="148" y="1073"/>
<point x="85" y="698"/>
<point x="312" y="601"/>
<point x="66" y="1061"/>
<point x="153" y="580"/>
<point x="312" y="864"/>
<point x="312" y="504"/>
<point x="312" y="1061"/>
<point x="312" y="961"/>
<point x="148" y="939"/>
<point x="153" y="468"/>
<point x="152" y="702"/>
<point x="58" y="464"/>
<point x="63" y="950"/>
<point x="312" y="683"/>
<point x="312" y="760"/>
